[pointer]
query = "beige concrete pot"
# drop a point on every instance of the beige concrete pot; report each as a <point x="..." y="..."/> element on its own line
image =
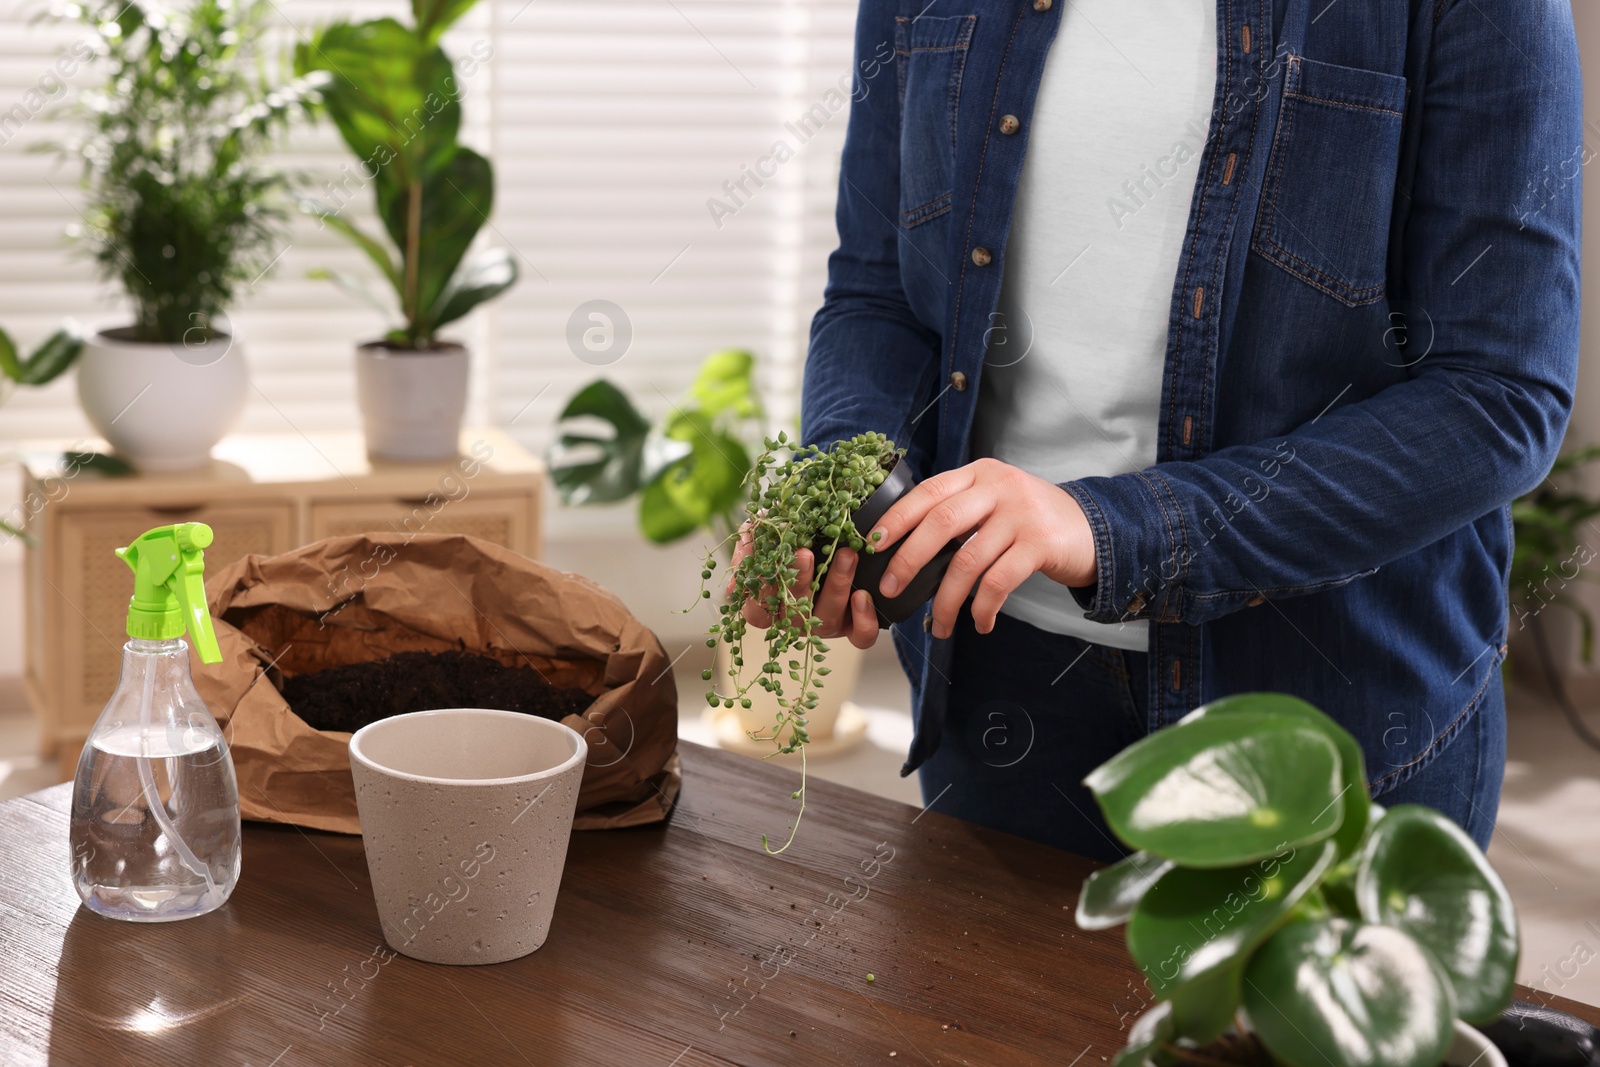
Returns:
<point x="412" y="402"/>
<point x="466" y="814"/>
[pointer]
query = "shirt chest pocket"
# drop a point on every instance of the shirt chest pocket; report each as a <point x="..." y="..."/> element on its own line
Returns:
<point x="1329" y="189"/>
<point x="930" y="57"/>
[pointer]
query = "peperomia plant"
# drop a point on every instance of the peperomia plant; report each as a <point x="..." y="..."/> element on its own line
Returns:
<point x="799" y="498"/>
<point x="1269" y="893"/>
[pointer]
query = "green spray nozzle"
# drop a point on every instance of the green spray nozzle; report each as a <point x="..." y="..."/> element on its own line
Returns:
<point x="169" y="591"/>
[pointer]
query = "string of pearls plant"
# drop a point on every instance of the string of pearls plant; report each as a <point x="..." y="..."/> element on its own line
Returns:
<point x="799" y="498"/>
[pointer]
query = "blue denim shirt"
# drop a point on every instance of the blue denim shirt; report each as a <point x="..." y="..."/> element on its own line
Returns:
<point x="1372" y="339"/>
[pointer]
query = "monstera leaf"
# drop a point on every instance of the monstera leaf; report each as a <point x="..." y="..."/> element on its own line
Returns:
<point x="590" y="469"/>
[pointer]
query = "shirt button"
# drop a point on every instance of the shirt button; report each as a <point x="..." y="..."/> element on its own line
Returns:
<point x="1009" y="124"/>
<point x="1255" y="601"/>
<point x="980" y="256"/>
<point x="1042" y="5"/>
<point x="958" y="381"/>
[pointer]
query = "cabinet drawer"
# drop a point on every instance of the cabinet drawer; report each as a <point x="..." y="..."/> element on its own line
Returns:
<point x="503" y="518"/>
<point x="92" y="597"/>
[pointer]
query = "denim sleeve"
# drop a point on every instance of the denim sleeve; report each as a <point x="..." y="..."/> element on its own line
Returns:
<point x="1481" y="418"/>
<point x="871" y="363"/>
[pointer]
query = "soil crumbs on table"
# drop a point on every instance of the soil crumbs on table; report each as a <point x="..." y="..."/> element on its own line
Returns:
<point x="349" y="697"/>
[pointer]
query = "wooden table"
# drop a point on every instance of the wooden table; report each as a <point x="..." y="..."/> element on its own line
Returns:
<point x="672" y="946"/>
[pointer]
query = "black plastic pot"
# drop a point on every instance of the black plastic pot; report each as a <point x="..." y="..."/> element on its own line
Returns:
<point x="870" y="568"/>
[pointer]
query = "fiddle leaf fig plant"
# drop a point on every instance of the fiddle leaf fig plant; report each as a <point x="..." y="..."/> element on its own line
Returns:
<point x="1270" y="894"/>
<point x="798" y="498"/>
<point x="392" y="93"/>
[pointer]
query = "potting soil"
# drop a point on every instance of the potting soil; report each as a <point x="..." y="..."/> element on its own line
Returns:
<point x="350" y="696"/>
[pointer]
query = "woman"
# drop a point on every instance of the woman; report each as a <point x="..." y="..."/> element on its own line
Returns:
<point x="1224" y="337"/>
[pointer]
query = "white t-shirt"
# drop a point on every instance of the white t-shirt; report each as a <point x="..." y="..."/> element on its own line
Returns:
<point x="1071" y="384"/>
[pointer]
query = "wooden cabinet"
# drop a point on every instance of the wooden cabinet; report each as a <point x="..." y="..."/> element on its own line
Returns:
<point x="261" y="494"/>
<point x="501" y="518"/>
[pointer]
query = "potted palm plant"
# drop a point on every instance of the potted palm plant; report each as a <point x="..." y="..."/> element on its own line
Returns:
<point x="392" y="94"/>
<point x="182" y="214"/>
<point x="1281" y="917"/>
<point x="690" y="472"/>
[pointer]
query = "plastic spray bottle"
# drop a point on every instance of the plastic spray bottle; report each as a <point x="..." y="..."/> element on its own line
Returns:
<point x="155" y="806"/>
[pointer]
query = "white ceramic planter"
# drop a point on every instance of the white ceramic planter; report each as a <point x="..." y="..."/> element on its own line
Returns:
<point x="412" y="402"/>
<point x="1472" y="1049"/>
<point x="162" y="406"/>
<point x="823" y="722"/>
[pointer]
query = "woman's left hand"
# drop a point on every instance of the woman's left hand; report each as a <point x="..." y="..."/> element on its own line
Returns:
<point x="1019" y="524"/>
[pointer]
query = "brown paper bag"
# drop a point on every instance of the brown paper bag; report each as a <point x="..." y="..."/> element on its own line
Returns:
<point x="354" y="599"/>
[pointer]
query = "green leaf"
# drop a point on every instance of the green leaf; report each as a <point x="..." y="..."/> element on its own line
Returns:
<point x="1109" y="894"/>
<point x="1420" y="873"/>
<point x="1355" y="799"/>
<point x="486" y="276"/>
<point x="661" y="518"/>
<point x="661" y="452"/>
<point x="457" y="196"/>
<point x="391" y="93"/>
<point x="375" y="249"/>
<point x="1148" y="1032"/>
<point x="52" y="358"/>
<point x="1335" y="993"/>
<point x="725" y="383"/>
<point x="355" y="286"/>
<point x="691" y="492"/>
<point x="10" y="366"/>
<point x="1204" y="1009"/>
<point x="599" y="470"/>
<point x="1193" y="923"/>
<point x="1223" y="790"/>
<point x="433" y="17"/>
<point x="102" y="463"/>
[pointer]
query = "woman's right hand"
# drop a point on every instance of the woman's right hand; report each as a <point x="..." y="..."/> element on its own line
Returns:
<point x="843" y="613"/>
